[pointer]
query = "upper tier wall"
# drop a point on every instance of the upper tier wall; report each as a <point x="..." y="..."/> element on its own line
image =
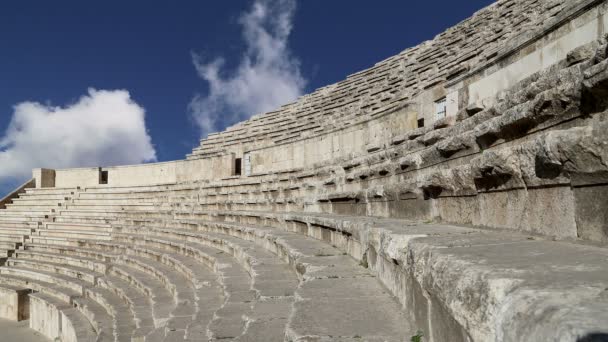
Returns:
<point x="569" y="27"/>
<point x="419" y="76"/>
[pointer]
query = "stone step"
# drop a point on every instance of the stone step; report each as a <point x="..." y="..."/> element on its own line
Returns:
<point x="24" y="212"/>
<point x="77" y="226"/>
<point x="138" y="302"/>
<point x="76" y="272"/>
<point x="271" y="279"/>
<point x="26" y="201"/>
<point x="18" y="206"/>
<point x="345" y="266"/>
<point x="74" y="234"/>
<point x="122" y="322"/>
<point x="52" y="191"/>
<point x="73" y="219"/>
<point x="59" y="320"/>
<point x="55" y="290"/>
<point x="110" y="207"/>
<point x="112" y="213"/>
<point x="29" y="252"/>
<point x="20" y="218"/>
<point x="8" y="245"/>
<point x="15" y="230"/>
<point x="319" y="263"/>
<point x="17" y="224"/>
<point x="43" y="196"/>
<point x="11" y="238"/>
<point x="115" y="201"/>
<point x="120" y="195"/>
<point x="164" y="285"/>
<point x="160" y="187"/>
<point x="66" y="289"/>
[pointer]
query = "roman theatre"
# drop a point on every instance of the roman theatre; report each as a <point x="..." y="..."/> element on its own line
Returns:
<point x="457" y="191"/>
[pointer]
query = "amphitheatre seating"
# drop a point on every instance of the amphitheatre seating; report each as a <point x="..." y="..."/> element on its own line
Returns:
<point x="486" y="226"/>
<point x="191" y="270"/>
<point x="389" y="84"/>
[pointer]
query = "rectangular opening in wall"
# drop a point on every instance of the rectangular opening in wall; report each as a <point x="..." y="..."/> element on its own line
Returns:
<point x="440" y="108"/>
<point x="103" y="177"/>
<point x="420" y="123"/>
<point x="237" y="166"/>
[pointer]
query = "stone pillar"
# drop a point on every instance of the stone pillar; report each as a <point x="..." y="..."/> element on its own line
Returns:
<point x="45" y="178"/>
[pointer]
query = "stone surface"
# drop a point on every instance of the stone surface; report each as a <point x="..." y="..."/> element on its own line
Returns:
<point x="19" y="331"/>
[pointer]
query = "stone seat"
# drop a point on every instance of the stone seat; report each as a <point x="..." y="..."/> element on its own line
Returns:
<point x="147" y="298"/>
<point x="122" y="321"/>
<point x="74" y="234"/>
<point x="15" y="230"/>
<point x="59" y="320"/>
<point x="43" y="196"/>
<point x="115" y="201"/>
<point x="67" y="289"/>
<point x="270" y="279"/>
<point x="225" y="321"/>
<point x="8" y="245"/>
<point x="25" y="212"/>
<point x="37" y="202"/>
<point x="11" y="238"/>
<point x="78" y="226"/>
<point x="110" y="207"/>
<point x="132" y="189"/>
<point x="91" y="195"/>
<point x="31" y="253"/>
<point x="464" y="244"/>
<point x="296" y="249"/>
<point x="19" y="218"/>
<point x="17" y="224"/>
<point x="100" y="212"/>
<point x="84" y="219"/>
<point x="172" y="294"/>
<point x="51" y="191"/>
<point x="84" y="274"/>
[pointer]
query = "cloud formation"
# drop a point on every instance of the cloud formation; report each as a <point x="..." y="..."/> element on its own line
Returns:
<point x="103" y="128"/>
<point x="267" y="76"/>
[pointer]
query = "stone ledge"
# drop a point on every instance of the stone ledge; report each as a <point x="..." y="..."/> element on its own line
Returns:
<point x="463" y="284"/>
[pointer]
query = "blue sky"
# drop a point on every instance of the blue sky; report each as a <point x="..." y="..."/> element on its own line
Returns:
<point x="53" y="52"/>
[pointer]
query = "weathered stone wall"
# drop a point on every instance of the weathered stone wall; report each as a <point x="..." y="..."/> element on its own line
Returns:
<point x="145" y="174"/>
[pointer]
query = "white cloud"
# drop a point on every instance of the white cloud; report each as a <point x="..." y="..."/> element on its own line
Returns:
<point x="268" y="75"/>
<point x="103" y="128"/>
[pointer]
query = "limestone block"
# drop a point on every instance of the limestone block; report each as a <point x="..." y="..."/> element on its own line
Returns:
<point x="410" y="162"/>
<point x="580" y="153"/>
<point x="497" y="170"/>
<point x="455" y="144"/>
<point x="591" y="215"/>
<point x="45" y="178"/>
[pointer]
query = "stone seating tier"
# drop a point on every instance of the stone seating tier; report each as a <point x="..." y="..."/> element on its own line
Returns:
<point x="487" y="227"/>
<point x="390" y="84"/>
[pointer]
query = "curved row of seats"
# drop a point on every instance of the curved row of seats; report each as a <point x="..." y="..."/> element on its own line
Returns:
<point x="153" y="281"/>
<point x="390" y="84"/>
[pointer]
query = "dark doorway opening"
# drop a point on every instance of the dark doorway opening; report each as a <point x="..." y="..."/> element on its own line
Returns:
<point x="103" y="177"/>
<point x="237" y="166"/>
